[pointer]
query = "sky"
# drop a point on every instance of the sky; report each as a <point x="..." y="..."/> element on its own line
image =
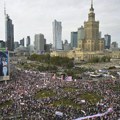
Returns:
<point x="32" y="17"/>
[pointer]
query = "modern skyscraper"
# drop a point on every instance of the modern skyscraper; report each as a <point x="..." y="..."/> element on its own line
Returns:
<point x="107" y="41"/>
<point x="39" y="43"/>
<point x="57" y="35"/>
<point x="27" y="41"/>
<point x="9" y="33"/>
<point x="22" y="41"/>
<point x="74" y="39"/>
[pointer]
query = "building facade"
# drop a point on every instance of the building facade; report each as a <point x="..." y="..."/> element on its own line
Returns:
<point x="114" y="46"/>
<point x="16" y="45"/>
<point x="67" y="46"/>
<point x="57" y="35"/>
<point x="28" y="41"/>
<point x="22" y="42"/>
<point x="39" y="43"/>
<point x="81" y="35"/>
<point x="74" y="39"/>
<point x="9" y="33"/>
<point x="107" y="41"/>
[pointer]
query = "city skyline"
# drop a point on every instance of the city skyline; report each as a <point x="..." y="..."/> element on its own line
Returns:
<point x="37" y="16"/>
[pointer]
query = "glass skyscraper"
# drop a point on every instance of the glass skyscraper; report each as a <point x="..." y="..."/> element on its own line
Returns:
<point x="9" y="33"/>
<point x="57" y="35"/>
<point x="74" y="39"/>
<point x="28" y="41"/>
<point x="107" y="41"/>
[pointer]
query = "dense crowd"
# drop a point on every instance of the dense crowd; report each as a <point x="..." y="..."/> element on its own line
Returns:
<point x="24" y="85"/>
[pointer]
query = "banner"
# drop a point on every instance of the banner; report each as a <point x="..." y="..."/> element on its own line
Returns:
<point x="4" y="65"/>
<point x="58" y="113"/>
<point x="96" y="115"/>
<point x="69" y="78"/>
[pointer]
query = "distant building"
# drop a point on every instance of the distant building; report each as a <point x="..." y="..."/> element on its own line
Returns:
<point x="16" y="45"/>
<point x="2" y="44"/>
<point x="48" y="47"/>
<point x="114" y="46"/>
<point x="66" y="46"/>
<point x="57" y="35"/>
<point x="21" y="50"/>
<point x="22" y="41"/>
<point x="107" y="41"/>
<point x="81" y="33"/>
<point x="39" y="43"/>
<point x="27" y="41"/>
<point x="74" y="39"/>
<point x="9" y="33"/>
<point x="31" y="49"/>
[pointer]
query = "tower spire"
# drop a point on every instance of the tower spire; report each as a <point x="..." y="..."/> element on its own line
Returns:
<point x="4" y="8"/>
<point x="91" y="3"/>
<point x="91" y="9"/>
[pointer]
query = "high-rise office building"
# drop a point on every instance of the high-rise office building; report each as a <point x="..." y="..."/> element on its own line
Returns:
<point x="57" y="35"/>
<point x="9" y="33"/>
<point x="22" y="41"/>
<point x="39" y="43"/>
<point x="27" y="41"/>
<point x="74" y="39"/>
<point x="107" y="41"/>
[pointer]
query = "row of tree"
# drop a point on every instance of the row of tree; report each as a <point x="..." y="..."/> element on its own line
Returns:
<point x="98" y="59"/>
<point x="64" y="62"/>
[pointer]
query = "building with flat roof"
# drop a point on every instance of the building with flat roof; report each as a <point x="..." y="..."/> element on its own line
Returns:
<point x="57" y="35"/>
<point x="39" y="43"/>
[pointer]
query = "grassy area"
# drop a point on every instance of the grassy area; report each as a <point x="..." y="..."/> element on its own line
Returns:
<point x="44" y="94"/>
<point x="91" y="97"/>
<point x="65" y="102"/>
<point x="69" y="89"/>
<point x="5" y="104"/>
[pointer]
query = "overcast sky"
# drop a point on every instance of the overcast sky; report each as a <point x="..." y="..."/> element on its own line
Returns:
<point x="31" y="17"/>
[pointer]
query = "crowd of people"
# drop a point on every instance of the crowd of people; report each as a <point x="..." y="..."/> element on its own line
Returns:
<point x="20" y="91"/>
